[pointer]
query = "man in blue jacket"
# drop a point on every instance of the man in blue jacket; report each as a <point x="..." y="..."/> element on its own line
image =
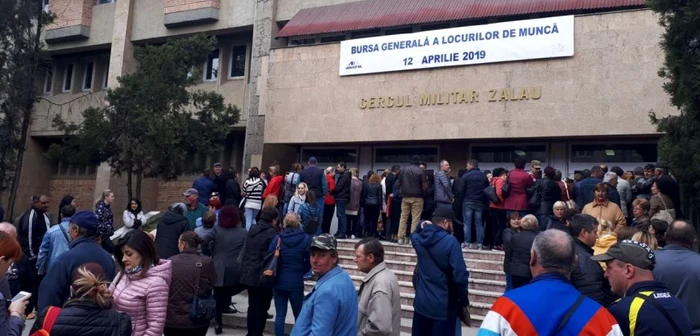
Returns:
<point x="442" y="279"/>
<point x="331" y="307"/>
<point x="205" y="186"/>
<point x="55" y="242"/>
<point x="647" y="308"/>
<point x="584" y="191"/>
<point x="474" y="182"/>
<point x="85" y="247"/>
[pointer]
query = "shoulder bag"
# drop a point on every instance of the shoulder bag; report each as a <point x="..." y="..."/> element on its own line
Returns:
<point x="667" y="215"/>
<point x="49" y="321"/>
<point x="490" y="191"/>
<point x="269" y="273"/>
<point x="505" y="189"/>
<point x="570" y="204"/>
<point x="569" y="314"/>
<point x="203" y="308"/>
<point x="534" y="200"/>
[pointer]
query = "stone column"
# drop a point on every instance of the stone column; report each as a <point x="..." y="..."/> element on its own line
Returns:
<point x="121" y="62"/>
<point x="264" y="29"/>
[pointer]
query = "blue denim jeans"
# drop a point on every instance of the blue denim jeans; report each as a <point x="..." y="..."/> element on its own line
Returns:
<point x="542" y="222"/>
<point x="474" y="210"/>
<point x="340" y="206"/>
<point x="295" y="298"/>
<point x="319" y="207"/>
<point x="509" y="282"/>
<point x="250" y="215"/>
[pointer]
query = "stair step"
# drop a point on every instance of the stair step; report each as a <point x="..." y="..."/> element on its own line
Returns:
<point x="411" y="256"/>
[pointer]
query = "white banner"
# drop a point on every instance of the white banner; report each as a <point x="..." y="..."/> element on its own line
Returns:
<point x="498" y="42"/>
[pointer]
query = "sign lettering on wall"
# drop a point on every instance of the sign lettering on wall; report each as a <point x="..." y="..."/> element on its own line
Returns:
<point x="497" y="42"/>
<point x="452" y="98"/>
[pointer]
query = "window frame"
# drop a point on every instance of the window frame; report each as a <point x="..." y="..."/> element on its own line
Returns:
<point x="105" y="76"/>
<point x="104" y="2"/>
<point x="349" y="148"/>
<point x="570" y="149"/>
<point x="90" y="64"/>
<point x="68" y="79"/>
<point x="245" y="62"/>
<point x="218" y="68"/>
<point x="48" y="80"/>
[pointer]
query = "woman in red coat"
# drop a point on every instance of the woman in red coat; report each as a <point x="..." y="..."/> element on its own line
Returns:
<point x="519" y="181"/>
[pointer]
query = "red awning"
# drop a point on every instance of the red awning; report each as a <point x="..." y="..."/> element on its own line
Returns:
<point x="372" y="14"/>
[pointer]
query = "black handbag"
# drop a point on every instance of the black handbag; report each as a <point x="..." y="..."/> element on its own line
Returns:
<point x="203" y="308"/>
<point x="269" y="273"/>
<point x="534" y="200"/>
<point x="490" y="192"/>
<point x="505" y="189"/>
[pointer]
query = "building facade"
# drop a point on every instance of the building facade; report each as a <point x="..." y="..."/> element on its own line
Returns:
<point x="279" y="61"/>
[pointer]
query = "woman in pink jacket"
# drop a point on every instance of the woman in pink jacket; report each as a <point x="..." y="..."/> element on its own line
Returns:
<point x="142" y="286"/>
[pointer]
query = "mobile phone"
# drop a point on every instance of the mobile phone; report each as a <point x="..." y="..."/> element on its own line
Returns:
<point x="21" y="295"/>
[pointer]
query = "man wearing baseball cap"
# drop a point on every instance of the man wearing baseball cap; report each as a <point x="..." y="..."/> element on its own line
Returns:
<point x="331" y="307"/>
<point x="194" y="208"/>
<point x="85" y="247"/>
<point x="647" y="308"/>
<point x="441" y="279"/>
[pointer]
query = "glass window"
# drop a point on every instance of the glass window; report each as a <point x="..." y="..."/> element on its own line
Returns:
<point x="105" y="78"/>
<point x="67" y="77"/>
<point x="395" y="31"/>
<point x="403" y="155"/>
<point x="330" y="39"/>
<point x="99" y="2"/>
<point x="508" y="153"/>
<point x="238" y="61"/>
<point x="333" y="155"/>
<point x="305" y="41"/>
<point x="435" y="27"/>
<point x="365" y="33"/>
<point x="614" y="153"/>
<point x="48" y="79"/>
<point x="87" y="76"/>
<point x="211" y="71"/>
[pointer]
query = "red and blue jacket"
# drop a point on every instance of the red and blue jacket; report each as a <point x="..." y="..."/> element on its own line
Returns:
<point x="538" y="308"/>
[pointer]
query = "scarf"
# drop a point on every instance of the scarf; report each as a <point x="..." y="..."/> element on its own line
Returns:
<point x="32" y="214"/>
<point x="134" y="270"/>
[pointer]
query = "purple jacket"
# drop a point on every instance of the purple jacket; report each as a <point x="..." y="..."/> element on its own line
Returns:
<point x="519" y="181"/>
<point x="145" y="300"/>
<point x="9" y="325"/>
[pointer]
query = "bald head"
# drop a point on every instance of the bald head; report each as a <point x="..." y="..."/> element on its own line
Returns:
<point x="681" y="232"/>
<point x="9" y="229"/>
<point x="553" y="251"/>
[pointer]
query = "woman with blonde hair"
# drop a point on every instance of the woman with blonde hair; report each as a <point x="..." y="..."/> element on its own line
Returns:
<point x="606" y="237"/>
<point x="90" y="304"/>
<point x="521" y="243"/>
<point x="105" y="219"/>
<point x="299" y="198"/>
<point x="293" y="263"/>
<point x="646" y="238"/>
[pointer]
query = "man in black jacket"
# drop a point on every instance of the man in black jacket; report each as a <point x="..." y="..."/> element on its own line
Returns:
<point x="220" y="180"/>
<point x="588" y="276"/>
<point x="342" y="197"/>
<point x="251" y="260"/>
<point x="411" y="184"/>
<point x="31" y="228"/>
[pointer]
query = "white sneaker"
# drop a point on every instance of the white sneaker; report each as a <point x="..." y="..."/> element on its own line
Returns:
<point x="400" y="242"/>
<point x="352" y="237"/>
<point x="465" y="246"/>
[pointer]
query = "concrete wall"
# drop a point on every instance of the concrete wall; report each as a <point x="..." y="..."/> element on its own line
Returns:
<point x="607" y="88"/>
<point x="149" y="19"/>
<point x="287" y="8"/>
<point x="100" y="31"/>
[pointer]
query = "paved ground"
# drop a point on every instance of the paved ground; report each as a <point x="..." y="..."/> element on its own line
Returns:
<point x="242" y="305"/>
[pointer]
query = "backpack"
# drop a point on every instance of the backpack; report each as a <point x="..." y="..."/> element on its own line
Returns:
<point x="289" y="188"/>
<point x="49" y="321"/>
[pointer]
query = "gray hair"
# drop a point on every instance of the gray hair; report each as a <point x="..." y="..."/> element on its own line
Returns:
<point x="554" y="251"/>
<point x="329" y="170"/>
<point x="179" y="208"/>
<point x="9" y="228"/>
<point x="609" y="176"/>
<point x="559" y="204"/>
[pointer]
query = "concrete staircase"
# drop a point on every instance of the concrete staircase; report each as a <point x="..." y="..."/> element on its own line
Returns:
<point x="486" y="278"/>
<point x="486" y="282"/>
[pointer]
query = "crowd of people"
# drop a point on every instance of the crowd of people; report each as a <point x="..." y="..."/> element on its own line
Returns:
<point x="609" y="245"/>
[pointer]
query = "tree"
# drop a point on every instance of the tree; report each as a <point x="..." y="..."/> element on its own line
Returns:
<point x="21" y="55"/>
<point x="155" y="123"/>
<point x="679" y="147"/>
